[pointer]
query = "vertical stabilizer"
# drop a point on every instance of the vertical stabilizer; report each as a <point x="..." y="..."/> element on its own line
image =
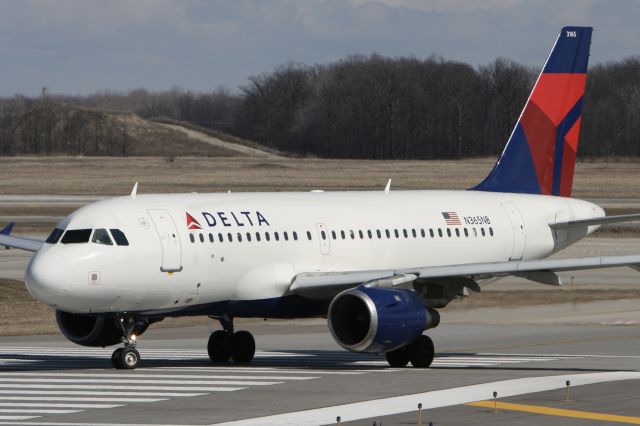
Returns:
<point x="541" y="152"/>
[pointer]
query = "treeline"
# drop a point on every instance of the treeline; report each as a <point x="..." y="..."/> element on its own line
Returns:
<point x="46" y="126"/>
<point x="371" y="107"/>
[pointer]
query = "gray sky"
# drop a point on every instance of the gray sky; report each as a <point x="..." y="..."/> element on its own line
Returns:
<point x="80" y="46"/>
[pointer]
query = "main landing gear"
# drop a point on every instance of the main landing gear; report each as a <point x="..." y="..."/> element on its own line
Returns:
<point x="226" y="344"/>
<point x="127" y="357"/>
<point x="420" y="353"/>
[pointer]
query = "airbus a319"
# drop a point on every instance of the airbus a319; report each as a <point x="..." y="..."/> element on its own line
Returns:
<point x="377" y="264"/>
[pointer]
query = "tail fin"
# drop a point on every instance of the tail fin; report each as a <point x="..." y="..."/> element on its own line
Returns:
<point x="541" y="152"/>
<point x="7" y="229"/>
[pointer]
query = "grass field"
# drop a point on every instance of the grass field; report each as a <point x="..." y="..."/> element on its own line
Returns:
<point x="112" y="176"/>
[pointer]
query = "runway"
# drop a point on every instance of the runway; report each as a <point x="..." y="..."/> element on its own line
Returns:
<point x="298" y="370"/>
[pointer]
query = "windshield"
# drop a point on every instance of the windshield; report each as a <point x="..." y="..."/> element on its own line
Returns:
<point x="118" y="235"/>
<point x="76" y="236"/>
<point x="54" y="237"/>
<point x="101" y="236"/>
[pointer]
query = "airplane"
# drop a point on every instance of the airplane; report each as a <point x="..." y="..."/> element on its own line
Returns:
<point x="377" y="264"/>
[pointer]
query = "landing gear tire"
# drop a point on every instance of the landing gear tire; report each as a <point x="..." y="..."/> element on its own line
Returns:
<point x="129" y="358"/>
<point x="116" y="359"/>
<point x="398" y="358"/>
<point x="125" y="358"/>
<point x="243" y="347"/>
<point x="421" y="352"/>
<point x="218" y="347"/>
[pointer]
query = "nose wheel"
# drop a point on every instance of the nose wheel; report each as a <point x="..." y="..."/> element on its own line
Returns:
<point x="223" y="345"/>
<point x="127" y="357"/>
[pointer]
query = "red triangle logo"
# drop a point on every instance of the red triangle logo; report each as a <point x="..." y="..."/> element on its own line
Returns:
<point x="192" y="223"/>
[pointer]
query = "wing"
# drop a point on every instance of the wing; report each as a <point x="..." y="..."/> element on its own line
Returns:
<point x="452" y="279"/>
<point x="23" y="243"/>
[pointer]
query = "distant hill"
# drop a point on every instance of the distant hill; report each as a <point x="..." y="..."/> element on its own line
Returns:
<point x="52" y="128"/>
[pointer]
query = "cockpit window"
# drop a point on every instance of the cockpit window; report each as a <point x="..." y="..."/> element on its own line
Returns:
<point x="118" y="235"/>
<point x="101" y="236"/>
<point x="55" y="236"/>
<point x="76" y="236"/>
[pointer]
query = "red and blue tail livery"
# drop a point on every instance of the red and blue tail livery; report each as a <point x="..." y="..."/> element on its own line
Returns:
<point x="540" y="155"/>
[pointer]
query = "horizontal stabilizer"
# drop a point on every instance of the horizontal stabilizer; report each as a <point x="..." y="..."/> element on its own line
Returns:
<point x="597" y="221"/>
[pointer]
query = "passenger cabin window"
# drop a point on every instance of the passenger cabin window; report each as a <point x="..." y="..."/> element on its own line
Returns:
<point x="101" y="236"/>
<point x="119" y="237"/>
<point x="192" y="238"/>
<point x="295" y="236"/>
<point x="76" y="236"/>
<point x="210" y="237"/>
<point x="201" y="238"/>
<point x="309" y="235"/>
<point x="55" y="235"/>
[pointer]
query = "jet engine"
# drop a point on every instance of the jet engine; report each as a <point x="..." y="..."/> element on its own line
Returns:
<point x="94" y="330"/>
<point x="377" y="320"/>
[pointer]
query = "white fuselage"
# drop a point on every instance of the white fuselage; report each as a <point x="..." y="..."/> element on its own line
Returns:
<point x="169" y="268"/>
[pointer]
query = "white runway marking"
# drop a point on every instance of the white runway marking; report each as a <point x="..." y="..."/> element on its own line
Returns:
<point x="84" y="380"/>
<point x="30" y="389"/>
<point x="435" y="399"/>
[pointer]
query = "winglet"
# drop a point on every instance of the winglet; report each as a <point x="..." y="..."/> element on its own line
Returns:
<point x="388" y="187"/>
<point x="134" y="191"/>
<point x="7" y="229"/>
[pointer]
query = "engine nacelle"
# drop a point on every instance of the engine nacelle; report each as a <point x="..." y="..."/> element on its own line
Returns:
<point x="95" y="330"/>
<point x="378" y="320"/>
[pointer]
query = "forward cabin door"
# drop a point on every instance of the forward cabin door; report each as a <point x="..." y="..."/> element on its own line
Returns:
<point x="517" y="224"/>
<point x="169" y="240"/>
<point x="323" y="237"/>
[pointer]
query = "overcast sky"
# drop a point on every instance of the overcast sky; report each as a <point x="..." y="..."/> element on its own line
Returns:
<point x="80" y="46"/>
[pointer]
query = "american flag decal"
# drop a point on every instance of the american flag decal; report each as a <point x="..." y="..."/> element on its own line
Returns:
<point x="451" y="218"/>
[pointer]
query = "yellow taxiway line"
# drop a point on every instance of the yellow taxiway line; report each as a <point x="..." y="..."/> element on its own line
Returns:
<point x="557" y="412"/>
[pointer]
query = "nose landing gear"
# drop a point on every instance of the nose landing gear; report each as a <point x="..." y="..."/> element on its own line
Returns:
<point x="128" y="357"/>
<point x="226" y="344"/>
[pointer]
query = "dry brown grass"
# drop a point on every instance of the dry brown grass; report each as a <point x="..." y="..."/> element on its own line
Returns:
<point x="20" y="314"/>
<point x="110" y="176"/>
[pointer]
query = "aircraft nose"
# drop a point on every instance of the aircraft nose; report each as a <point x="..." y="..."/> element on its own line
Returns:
<point x="48" y="278"/>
